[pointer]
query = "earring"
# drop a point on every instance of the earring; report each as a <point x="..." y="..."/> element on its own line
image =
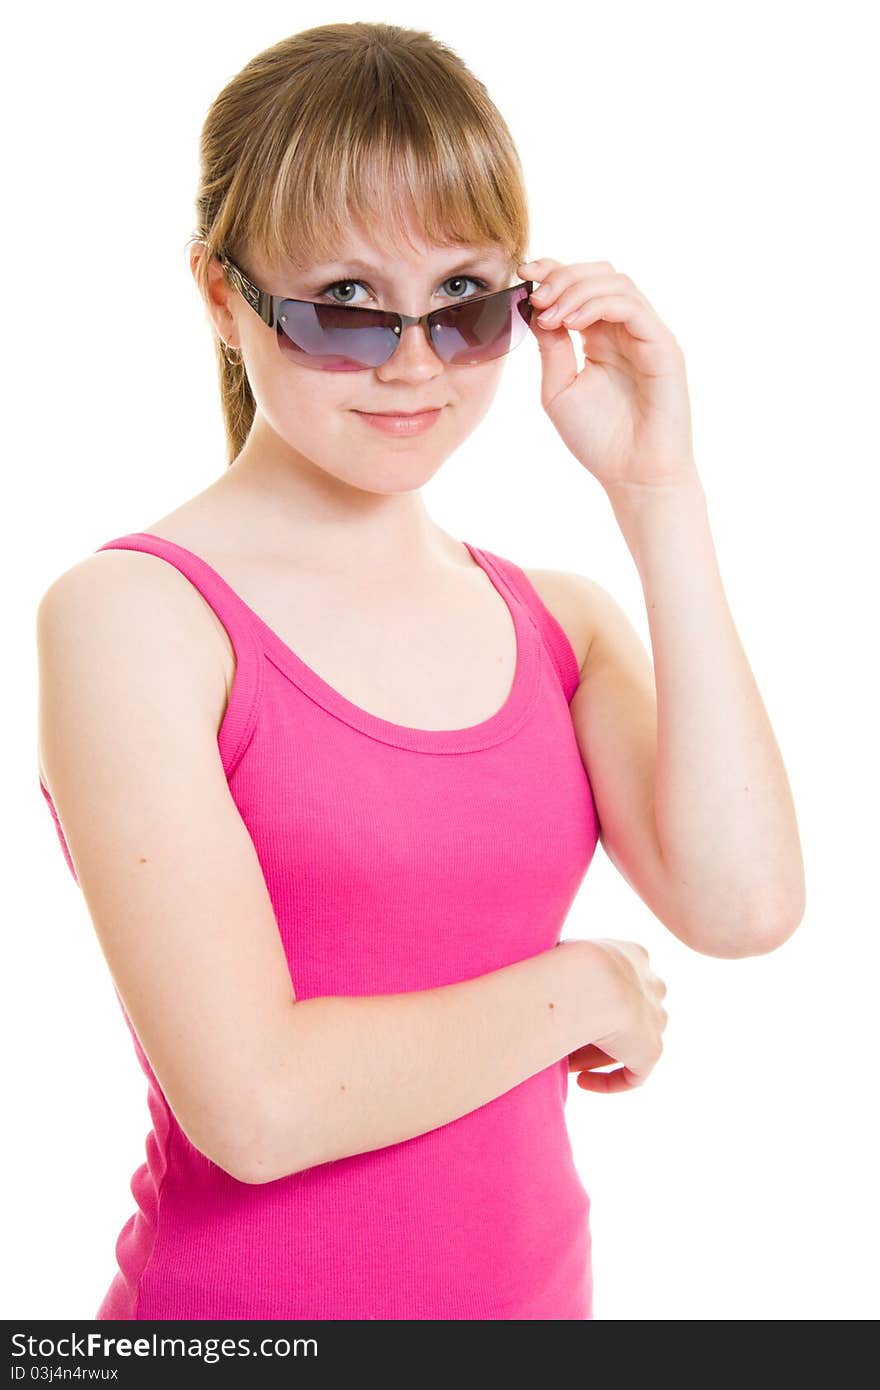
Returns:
<point x="233" y="353"/>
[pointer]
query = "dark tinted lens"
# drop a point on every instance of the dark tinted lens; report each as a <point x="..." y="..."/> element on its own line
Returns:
<point x="339" y="338"/>
<point x="335" y="338"/>
<point x="483" y="327"/>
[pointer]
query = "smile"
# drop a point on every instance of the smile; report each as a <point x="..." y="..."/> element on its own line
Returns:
<point x="401" y="424"/>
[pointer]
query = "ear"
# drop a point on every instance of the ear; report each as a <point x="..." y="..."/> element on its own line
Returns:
<point x="216" y="292"/>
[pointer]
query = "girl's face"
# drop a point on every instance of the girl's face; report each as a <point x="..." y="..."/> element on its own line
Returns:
<point x="313" y="416"/>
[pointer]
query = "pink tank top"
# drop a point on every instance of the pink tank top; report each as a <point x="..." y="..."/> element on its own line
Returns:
<point x="396" y="859"/>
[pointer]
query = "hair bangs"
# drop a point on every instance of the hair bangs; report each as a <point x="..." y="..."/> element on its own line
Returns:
<point x="393" y="184"/>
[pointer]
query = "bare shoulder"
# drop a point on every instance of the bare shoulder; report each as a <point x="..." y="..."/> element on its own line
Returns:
<point x="128" y="702"/>
<point x="576" y="603"/>
<point x="138" y="607"/>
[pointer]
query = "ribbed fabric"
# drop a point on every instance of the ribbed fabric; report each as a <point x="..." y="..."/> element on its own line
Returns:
<point x="396" y="859"/>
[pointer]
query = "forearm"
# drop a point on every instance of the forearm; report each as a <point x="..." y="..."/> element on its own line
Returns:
<point x="352" y="1074"/>
<point x="725" y="819"/>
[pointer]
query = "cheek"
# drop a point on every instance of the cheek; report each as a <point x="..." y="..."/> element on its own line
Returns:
<point x="299" y="404"/>
<point x="475" y="388"/>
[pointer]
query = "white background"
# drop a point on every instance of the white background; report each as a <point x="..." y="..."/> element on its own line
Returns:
<point x="725" y="158"/>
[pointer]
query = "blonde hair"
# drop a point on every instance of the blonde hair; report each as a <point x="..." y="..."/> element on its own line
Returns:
<point x="373" y="120"/>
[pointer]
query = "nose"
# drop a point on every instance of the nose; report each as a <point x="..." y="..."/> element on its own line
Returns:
<point x="414" y="359"/>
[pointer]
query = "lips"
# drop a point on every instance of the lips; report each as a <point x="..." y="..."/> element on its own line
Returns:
<point x="424" y="411"/>
<point x="400" y="425"/>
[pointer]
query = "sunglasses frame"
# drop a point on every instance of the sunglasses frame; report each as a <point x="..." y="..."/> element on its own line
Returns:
<point x="268" y="306"/>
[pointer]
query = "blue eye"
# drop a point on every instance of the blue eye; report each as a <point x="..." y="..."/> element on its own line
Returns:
<point x="337" y="284"/>
<point x="326" y="293"/>
<point x="481" y="284"/>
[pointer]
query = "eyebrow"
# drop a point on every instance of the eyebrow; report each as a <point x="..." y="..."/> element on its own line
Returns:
<point x="478" y="262"/>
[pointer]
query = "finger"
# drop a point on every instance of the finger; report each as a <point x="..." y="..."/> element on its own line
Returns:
<point x="555" y="277"/>
<point x="610" y="1082"/>
<point x="559" y="366"/>
<point x="588" y="1056"/>
<point x="540" y="267"/>
<point x="615" y="308"/>
<point x="575" y="297"/>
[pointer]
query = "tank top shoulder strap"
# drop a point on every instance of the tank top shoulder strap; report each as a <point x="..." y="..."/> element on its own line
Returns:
<point x="244" y="696"/>
<point x="554" y="636"/>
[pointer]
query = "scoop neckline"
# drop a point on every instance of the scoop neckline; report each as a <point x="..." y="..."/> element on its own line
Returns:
<point x="506" y="720"/>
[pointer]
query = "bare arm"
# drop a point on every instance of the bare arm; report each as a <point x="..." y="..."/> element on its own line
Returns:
<point x="131" y="695"/>
<point x="353" y="1074"/>
<point x="702" y="810"/>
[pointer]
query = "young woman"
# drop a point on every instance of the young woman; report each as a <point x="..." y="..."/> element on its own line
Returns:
<point x="330" y="778"/>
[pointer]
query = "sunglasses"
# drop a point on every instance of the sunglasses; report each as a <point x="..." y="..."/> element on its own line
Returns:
<point x="347" y="338"/>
